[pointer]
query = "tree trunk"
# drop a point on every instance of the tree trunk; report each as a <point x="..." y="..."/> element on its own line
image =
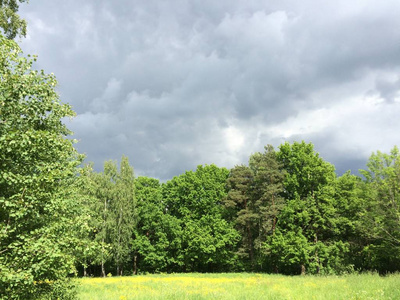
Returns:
<point x="274" y="219"/>
<point x="250" y="238"/>
<point x="316" y="254"/>
<point x="103" y="271"/>
<point x="303" y="269"/>
<point x="135" y="264"/>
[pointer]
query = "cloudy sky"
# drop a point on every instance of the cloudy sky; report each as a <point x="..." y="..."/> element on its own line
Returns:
<point x="175" y="84"/>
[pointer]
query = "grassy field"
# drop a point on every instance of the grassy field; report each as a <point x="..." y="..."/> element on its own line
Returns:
<point x="240" y="286"/>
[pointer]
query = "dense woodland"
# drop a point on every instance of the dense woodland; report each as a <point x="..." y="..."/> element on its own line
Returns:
<point x="286" y="211"/>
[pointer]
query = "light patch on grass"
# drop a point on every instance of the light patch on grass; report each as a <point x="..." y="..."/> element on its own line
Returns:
<point x="240" y="286"/>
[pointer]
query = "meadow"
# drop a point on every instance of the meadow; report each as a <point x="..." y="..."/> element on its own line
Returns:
<point x="240" y="286"/>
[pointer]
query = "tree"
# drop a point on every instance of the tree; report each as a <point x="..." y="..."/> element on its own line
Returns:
<point x="100" y="186"/>
<point x="94" y="250"/>
<point x="10" y="21"/>
<point x="38" y="166"/>
<point x="351" y="198"/>
<point x="266" y="193"/>
<point x="151" y="241"/>
<point x="122" y="206"/>
<point x="113" y="212"/>
<point x="381" y="214"/>
<point x="238" y="203"/>
<point x="310" y="210"/>
<point x="194" y="199"/>
<point x="254" y="203"/>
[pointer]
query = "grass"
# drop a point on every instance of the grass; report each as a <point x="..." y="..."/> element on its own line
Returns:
<point x="240" y="286"/>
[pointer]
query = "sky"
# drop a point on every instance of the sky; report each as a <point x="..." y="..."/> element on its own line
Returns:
<point x="176" y="84"/>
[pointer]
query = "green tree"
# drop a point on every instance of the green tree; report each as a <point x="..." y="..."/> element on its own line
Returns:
<point x="381" y="214"/>
<point x="351" y="196"/>
<point x="254" y="202"/>
<point x="104" y="192"/>
<point x="238" y="203"/>
<point x="38" y="165"/>
<point x="151" y="241"/>
<point x="123" y="205"/>
<point x="10" y="21"/>
<point x="194" y="198"/>
<point x="94" y="188"/>
<point x="266" y="191"/>
<point x="310" y="210"/>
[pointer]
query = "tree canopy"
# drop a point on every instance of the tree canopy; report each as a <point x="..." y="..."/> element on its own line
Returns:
<point x="10" y="22"/>
<point x="38" y="168"/>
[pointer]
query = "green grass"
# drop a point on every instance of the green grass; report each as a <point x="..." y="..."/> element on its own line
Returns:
<point x="240" y="286"/>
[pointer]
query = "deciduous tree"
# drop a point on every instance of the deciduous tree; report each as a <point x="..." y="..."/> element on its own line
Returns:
<point x="194" y="198"/>
<point x="123" y="207"/>
<point x="151" y="240"/>
<point x="310" y="210"/>
<point x="381" y="215"/>
<point x="10" y="21"/>
<point x="38" y="165"/>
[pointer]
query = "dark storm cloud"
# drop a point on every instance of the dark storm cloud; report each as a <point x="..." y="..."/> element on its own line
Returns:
<point x="176" y="84"/>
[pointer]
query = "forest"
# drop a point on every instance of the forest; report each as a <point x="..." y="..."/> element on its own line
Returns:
<point x="286" y="211"/>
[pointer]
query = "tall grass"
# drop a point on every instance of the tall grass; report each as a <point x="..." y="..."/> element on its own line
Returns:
<point x="240" y="286"/>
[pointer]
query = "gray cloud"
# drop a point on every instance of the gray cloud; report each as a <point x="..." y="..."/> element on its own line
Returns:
<point x="389" y="90"/>
<point x="173" y="85"/>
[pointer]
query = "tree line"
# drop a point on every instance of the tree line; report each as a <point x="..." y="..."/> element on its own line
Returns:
<point x="286" y="211"/>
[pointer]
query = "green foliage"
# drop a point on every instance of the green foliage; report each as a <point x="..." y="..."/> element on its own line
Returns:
<point x="350" y="196"/>
<point x="151" y="241"/>
<point x="306" y="171"/>
<point x="122" y="205"/>
<point x="286" y="212"/>
<point x="110" y="197"/>
<point x="266" y="193"/>
<point x="254" y="202"/>
<point x="238" y="204"/>
<point x="10" y="21"/>
<point x="381" y="213"/>
<point x="194" y="199"/>
<point x="308" y="220"/>
<point x="93" y="248"/>
<point x="38" y="168"/>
